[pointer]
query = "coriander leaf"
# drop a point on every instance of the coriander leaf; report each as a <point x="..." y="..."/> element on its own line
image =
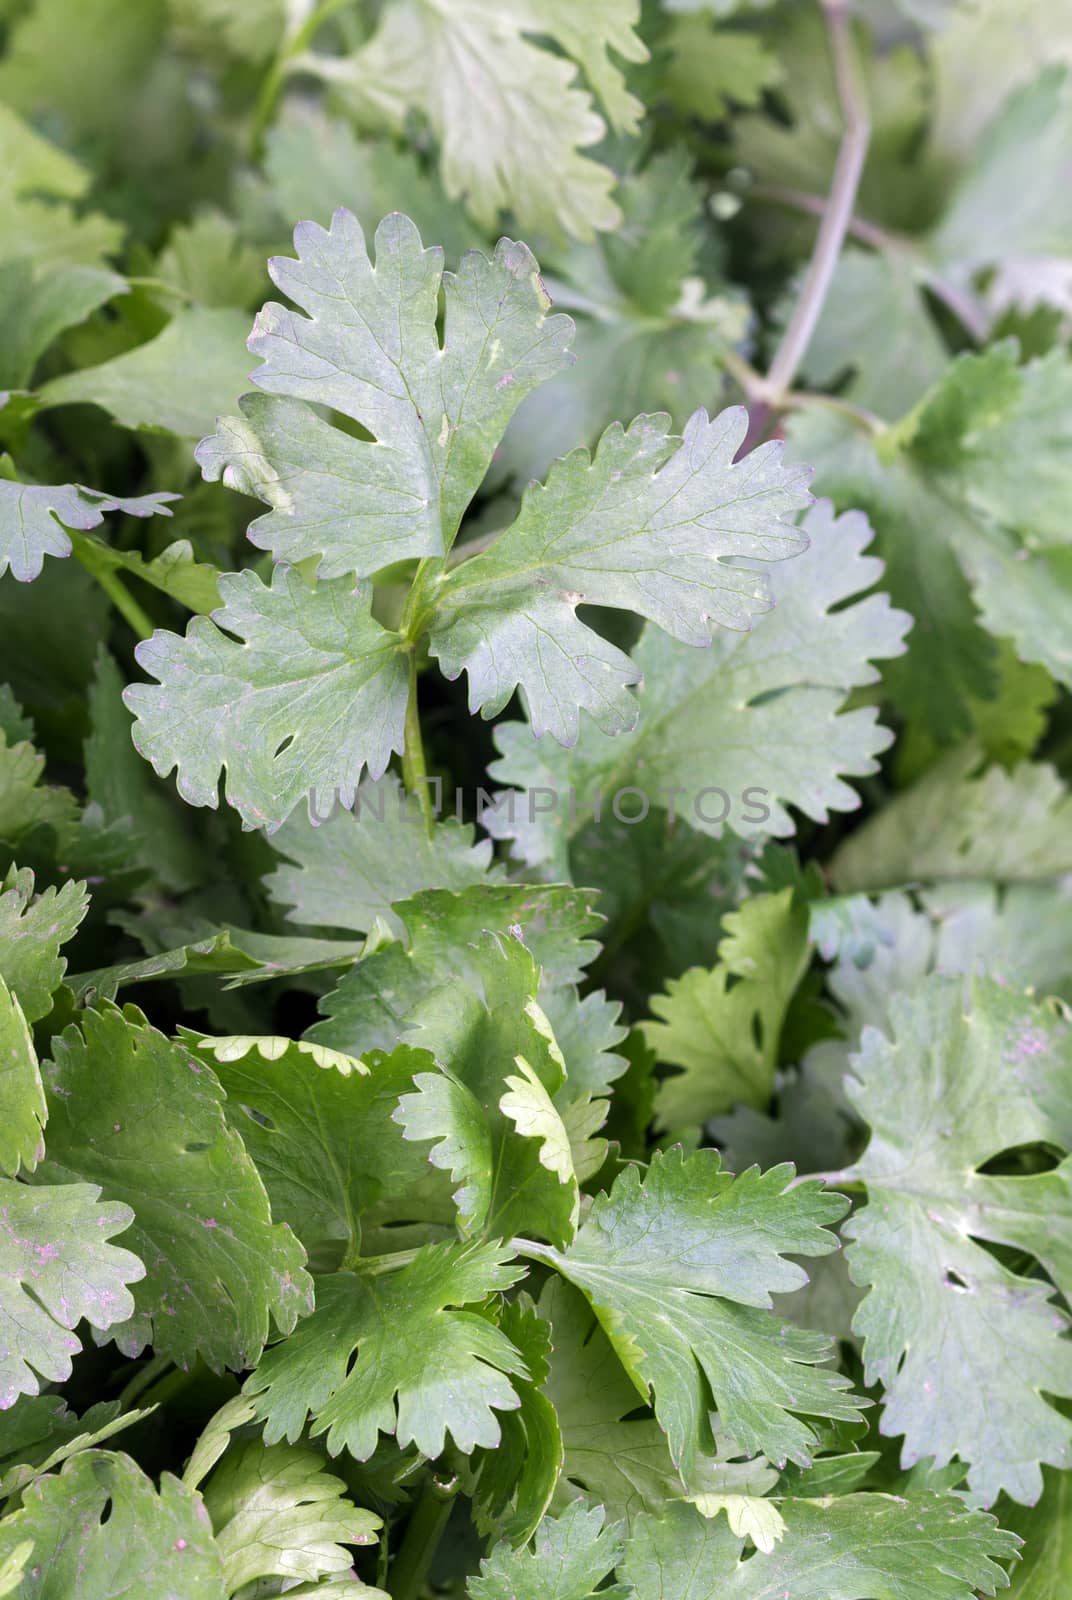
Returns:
<point x="618" y="1461"/>
<point x="36" y="305"/>
<point x="43" y="1434"/>
<point x="32" y="520"/>
<point x="966" y="1072"/>
<point x="679" y="1269"/>
<point x="422" y="1369"/>
<point x="314" y="163"/>
<point x="318" y="1126"/>
<point x="856" y="1547"/>
<point x="735" y="731"/>
<point x="270" y="711"/>
<point x="207" y="261"/>
<point x="722" y="1026"/>
<point x="875" y="326"/>
<point x="572" y="1555"/>
<point x="515" y="1482"/>
<point x="953" y="823"/>
<point x="278" y="1513"/>
<point x="1045" y="1567"/>
<point x="509" y="118"/>
<point x="373" y="1004"/>
<point x="649" y="333"/>
<point x="647" y="524"/>
<point x="350" y="869"/>
<point x="1015" y="172"/>
<point x="32" y="928"/>
<point x="56" y="1267"/>
<point x="138" y="1114"/>
<point x="27" y="804"/>
<point x="179" y="382"/>
<point x="708" y="64"/>
<point x="22" y="1099"/>
<point x="101" y="1531"/>
<point x="369" y="349"/>
<point x="497" y="1129"/>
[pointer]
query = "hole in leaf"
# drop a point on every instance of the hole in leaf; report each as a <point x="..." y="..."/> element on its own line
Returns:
<point x="283" y="746"/>
<point x="954" y="1280"/>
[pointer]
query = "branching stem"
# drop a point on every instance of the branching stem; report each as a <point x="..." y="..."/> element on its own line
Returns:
<point x="138" y="620"/>
<point x="836" y="217"/>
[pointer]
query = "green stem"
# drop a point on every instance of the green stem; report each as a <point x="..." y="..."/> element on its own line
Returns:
<point x="143" y="1379"/>
<point x="272" y="86"/>
<point x="414" y="768"/>
<point x="139" y="621"/>
<point x="425" y="1528"/>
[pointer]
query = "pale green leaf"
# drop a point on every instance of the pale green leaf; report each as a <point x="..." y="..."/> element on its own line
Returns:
<point x="56" y="1267"/>
<point x="732" y="735"/>
<point x="964" y="820"/>
<point x="102" y="1532"/>
<point x="32" y="929"/>
<point x="968" y="1071"/>
<point x="369" y="348"/>
<point x="272" y="711"/>
<point x="648" y="524"/>
<point x="33" y="520"/>
<point x="857" y="1547"/>
<point x="278" y="1513"/>
<point x="22" y="1099"/>
<point x="179" y="382"/>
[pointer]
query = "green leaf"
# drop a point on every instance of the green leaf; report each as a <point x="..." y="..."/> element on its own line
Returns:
<point x="278" y="1513"/>
<point x="515" y="144"/>
<point x="43" y="1434"/>
<point x="100" y="1530"/>
<point x="709" y="64"/>
<point x="179" y="382"/>
<point x="722" y="1026"/>
<point x="268" y="711"/>
<point x="733" y="734"/>
<point x="515" y="1482"/>
<point x="139" y="1115"/>
<point x="572" y="1555"/>
<point x="679" y="1269"/>
<point x="650" y="331"/>
<point x="348" y="871"/>
<point x="32" y="928"/>
<point x="1015" y="172"/>
<point x="954" y="823"/>
<point x="36" y="306"/>
<point x="319" y="1127"/>
<point x="968" y="1071"/>
<point x="369" y="348"/>
<point x="876" y="328"/>
<point x="207" y="261"/>
<point x="422" y="1369"/>
<point x="22" y="1099"/>
<point x="314" y="163"/>
<point x="647" y="524"/>
<point x="56" y="1267"/>
<point x="27" y="804"/>
<point x="858" y="1547"/>
<point x="33" y="520"/>
<point x="617" y="1461"/>
<point x="1046" y="1567"/>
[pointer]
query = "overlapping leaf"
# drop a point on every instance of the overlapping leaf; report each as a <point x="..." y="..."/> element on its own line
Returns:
<point x="138" y="1115"/>
<point x="965" y="1074"/>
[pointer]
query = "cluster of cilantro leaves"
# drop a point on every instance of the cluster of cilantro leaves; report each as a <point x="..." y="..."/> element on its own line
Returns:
<point x="535" y="910"/>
